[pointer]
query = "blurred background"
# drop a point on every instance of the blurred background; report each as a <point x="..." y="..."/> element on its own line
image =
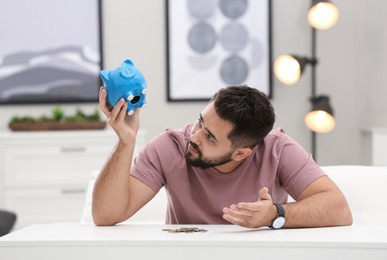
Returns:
<point x="351" y="70"/>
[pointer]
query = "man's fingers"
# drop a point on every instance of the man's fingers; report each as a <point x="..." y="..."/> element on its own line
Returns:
<point x="122" y="113"/>
<point x="264" y="194"/>
<point x="247" y="206"/>
<point x="102" y="101"/>
<point x="243" y="209"/>
<point x="234" y="216"/>
<point x="117" y="110"/>
<point x="264" y="190"/>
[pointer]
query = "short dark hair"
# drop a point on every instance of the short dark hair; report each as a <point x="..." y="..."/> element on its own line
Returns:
<point x="249" y="109"/>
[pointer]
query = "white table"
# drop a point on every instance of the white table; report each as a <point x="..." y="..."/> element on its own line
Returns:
<point x="76" y="241"/>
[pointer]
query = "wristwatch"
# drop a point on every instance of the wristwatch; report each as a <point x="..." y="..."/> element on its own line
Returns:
<point x="279" y="221"/>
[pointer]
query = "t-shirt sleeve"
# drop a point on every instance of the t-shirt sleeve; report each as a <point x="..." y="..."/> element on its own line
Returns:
<point x="296" y="168"/>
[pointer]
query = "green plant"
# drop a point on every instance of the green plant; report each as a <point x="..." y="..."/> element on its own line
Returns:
<point x="58" y="115"/>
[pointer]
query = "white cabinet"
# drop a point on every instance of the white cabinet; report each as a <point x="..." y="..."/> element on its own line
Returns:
<point x="44" y="175"/>
<point x="379" y="146"/>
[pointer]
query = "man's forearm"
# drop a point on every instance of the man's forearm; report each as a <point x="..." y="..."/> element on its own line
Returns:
<point x="327" y="208"/>
<point x="111" y="189"/>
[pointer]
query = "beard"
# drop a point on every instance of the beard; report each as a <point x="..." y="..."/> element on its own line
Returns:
<point x="202" y="162"/>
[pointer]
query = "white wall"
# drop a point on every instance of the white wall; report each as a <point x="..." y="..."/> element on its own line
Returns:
<point x="352" y="61"/>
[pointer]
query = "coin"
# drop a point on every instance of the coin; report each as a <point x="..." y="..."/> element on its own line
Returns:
<point x="185" y="230"/>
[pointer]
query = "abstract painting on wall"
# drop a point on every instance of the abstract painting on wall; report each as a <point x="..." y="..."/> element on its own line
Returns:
<point x="50" y="51"/>
<point x="212" y="44"/>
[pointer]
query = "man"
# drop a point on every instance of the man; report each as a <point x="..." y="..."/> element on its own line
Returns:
<point x="229" y="167"/>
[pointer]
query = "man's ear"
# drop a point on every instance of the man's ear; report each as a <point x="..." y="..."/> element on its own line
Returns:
<point x="241" y="153"/>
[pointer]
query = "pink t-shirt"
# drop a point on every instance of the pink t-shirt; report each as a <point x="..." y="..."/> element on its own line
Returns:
<point x="198" y="196"/>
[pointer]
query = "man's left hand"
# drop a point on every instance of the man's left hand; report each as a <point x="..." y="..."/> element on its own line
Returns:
<point x="252" y="214"/>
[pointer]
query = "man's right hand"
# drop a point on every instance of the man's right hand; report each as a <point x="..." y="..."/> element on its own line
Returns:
<point x="125" y="126"/>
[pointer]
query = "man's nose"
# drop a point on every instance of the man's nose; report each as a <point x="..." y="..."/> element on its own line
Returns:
<point x="196" y="136"/>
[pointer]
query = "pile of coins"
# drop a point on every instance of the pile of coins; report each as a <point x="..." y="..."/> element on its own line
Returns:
<point x="185" y="230"/>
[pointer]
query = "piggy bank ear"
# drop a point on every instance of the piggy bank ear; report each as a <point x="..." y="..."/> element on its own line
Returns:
<point x="105" y="75"/>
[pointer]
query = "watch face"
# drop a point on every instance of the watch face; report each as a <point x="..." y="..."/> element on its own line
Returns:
<point x="278" y="222"/>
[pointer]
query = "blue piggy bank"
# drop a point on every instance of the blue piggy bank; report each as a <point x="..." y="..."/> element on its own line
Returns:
<point x="125" y="82"/>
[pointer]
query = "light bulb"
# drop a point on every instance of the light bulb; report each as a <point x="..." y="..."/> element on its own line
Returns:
<point x="320" y="121"/>
<point x="287" y="69"/>
<point x="323" y="15"/>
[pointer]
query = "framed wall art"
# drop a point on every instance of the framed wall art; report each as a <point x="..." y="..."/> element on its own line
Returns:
<point x="50" y="51"/>
<point x="212" y="44"/>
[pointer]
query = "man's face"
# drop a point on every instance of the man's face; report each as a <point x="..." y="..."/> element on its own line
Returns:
<point x="208" y="145"/>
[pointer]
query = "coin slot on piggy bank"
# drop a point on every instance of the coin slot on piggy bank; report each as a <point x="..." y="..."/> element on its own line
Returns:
<point x="125" y="82"/>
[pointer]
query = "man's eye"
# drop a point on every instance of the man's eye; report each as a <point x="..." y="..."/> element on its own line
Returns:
<point x="209" y="137"/>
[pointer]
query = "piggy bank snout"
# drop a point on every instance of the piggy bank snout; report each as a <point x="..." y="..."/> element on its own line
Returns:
<point x="134" y="99"/>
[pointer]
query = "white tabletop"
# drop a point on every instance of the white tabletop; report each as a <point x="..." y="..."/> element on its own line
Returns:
<point x="76" y="241"/>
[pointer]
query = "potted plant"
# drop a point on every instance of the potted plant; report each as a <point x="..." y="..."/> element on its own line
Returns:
<point x="57" y="121"/>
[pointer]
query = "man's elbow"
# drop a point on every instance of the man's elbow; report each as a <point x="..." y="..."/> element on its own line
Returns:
<point x="101" y="222"/>
<point x="347" y="216"/>
<point x="344" y="217"/>
<point x="102" y="219"/>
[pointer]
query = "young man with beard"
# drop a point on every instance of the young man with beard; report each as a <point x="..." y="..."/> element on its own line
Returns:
<point x="230" y="166"/>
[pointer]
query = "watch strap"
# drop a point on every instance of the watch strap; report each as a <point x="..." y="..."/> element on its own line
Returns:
<point x="280" y="210"/>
